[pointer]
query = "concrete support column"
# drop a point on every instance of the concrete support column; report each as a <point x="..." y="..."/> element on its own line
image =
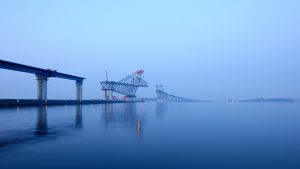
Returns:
<point x="41" y="87"/>
<point x="108" y="94"/>
<point x="79" y="90"/>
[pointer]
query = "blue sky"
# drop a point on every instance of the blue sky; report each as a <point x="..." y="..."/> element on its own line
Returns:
<point x="198" y="49"/>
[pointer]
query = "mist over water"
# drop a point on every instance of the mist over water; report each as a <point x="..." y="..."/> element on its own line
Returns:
<point x="207" y="50"/>
<point x="151" y="135"/>
<point x="222" y="51"/>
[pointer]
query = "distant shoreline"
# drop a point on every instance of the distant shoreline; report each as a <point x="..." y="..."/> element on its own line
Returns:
<point x="257" y="100"/>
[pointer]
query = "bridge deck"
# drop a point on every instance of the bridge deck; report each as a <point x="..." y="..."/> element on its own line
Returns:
<point x="35" y="102"/>
<point x="37" y="71"/>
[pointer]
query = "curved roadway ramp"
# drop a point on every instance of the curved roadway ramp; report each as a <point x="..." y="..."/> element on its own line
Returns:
<point x="166" y="97"/>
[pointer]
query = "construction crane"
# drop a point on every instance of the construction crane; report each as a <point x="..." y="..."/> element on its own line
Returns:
<point x="127" y="86"/>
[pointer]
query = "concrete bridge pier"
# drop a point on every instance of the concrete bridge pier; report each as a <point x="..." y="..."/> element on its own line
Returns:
<point x="108" y="94"/>
<point x="41" y="87"/>
<point x="79" y="90"/>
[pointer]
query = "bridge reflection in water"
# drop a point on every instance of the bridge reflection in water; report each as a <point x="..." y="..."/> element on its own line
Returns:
<point x="161" y="108"/>
<point x="26" y="129"/>
<point x="78" y="122"/>
<point x="123" y="116"/>
<point x="41" y="124"/>
<point x="42" y="132"/>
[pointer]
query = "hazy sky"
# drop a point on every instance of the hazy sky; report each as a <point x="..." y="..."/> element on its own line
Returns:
<point x="214" y="49"/>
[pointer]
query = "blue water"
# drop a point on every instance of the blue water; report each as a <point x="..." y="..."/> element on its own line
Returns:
<point x="152" y="135"/>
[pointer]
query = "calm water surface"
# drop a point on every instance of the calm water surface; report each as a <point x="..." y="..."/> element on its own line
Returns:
<point x="152" y="135"/>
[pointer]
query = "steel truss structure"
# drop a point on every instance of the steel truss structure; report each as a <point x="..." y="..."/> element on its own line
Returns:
<point x="127" y="86"/>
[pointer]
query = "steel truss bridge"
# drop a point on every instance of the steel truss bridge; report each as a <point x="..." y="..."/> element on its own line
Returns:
<point x="166" y="97"/>
<point x="127" y="86"/>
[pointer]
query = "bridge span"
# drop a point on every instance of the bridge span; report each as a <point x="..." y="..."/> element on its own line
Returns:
<point x="42" y="76"/>
<point x="163" y="96"/>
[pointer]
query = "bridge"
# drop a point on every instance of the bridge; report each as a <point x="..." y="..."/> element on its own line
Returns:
<point x="42" y="76"/>
<point x="166" y="97"/>
<point x="127" y="86"/>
